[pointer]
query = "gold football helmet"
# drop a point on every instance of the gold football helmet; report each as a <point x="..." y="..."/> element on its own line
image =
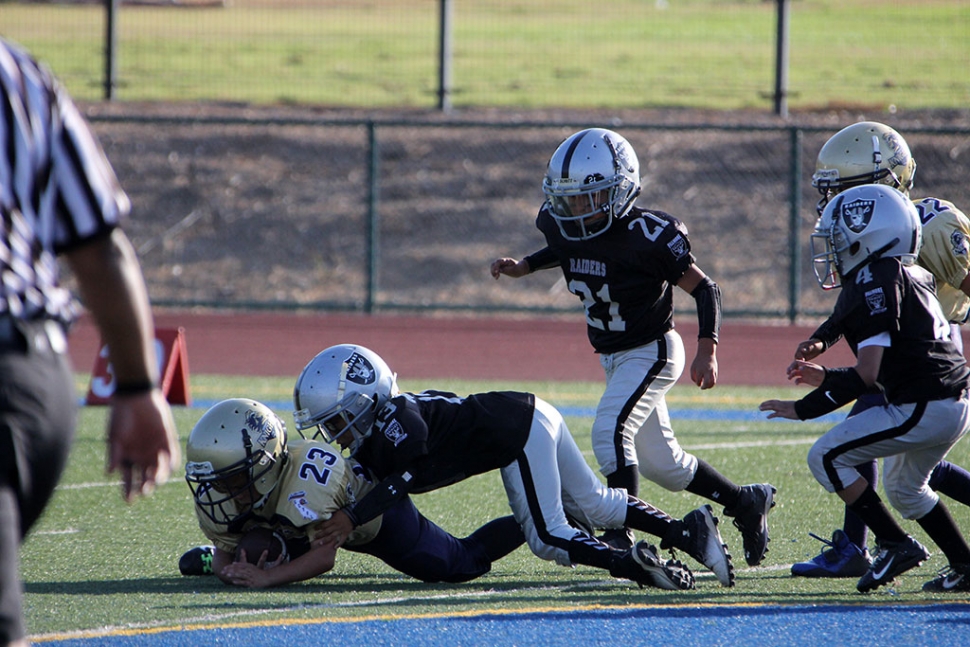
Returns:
<point x="867" y="152"/>
<point x="234" y="457"/>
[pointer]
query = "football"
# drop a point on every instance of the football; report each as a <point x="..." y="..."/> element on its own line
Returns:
<point x="258" y="539"/>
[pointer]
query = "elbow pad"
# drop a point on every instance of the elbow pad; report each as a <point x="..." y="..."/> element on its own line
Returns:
<point x="840" y="387"/>
<point x="708" y="298"/>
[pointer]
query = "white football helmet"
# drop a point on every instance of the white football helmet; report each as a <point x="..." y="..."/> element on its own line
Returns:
<point x="340" y="392"/>
<point x="860" y="225"/>
<point x="867" y="152"/>
<point x="592" y="179"/>
<point x="234" y="458"/>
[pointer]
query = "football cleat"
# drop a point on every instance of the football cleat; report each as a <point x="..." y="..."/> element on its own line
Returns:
<point x="618" y="538"/>
<point x="197" y="561"/>
<point x="751" y="518"/>
<point x="840" y="558"/>
<point x="698" y="536"/>
<point x="671" y="575"/>
<point x="951" y="579"/>
<point x="892" y="559"/>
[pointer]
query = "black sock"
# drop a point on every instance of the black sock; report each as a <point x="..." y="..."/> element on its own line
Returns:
<point x="854" y="527"/>
<point x="939" y="525"/>
<point x="584" y="549"/>
<point x="951" y="480"/>
<point x="711" y="484"/>
<point x="874" y="514"/>
<point x="499" y="537"/>
<point x="626" y="477"/>
<point x="642" y="516"/>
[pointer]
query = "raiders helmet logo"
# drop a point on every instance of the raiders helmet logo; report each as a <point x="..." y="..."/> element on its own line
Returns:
<point x="360" y="370"/>
<point x="857" y="214"/>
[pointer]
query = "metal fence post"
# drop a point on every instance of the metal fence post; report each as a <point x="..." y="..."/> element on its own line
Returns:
<point x="794" y="238"/>
<point x="373" y="220"/>
<point x="110" y="48"/>
<point x="444" y="57"/>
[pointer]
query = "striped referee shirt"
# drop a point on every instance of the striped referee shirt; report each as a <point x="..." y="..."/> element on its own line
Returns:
<point x="57" y="189"/>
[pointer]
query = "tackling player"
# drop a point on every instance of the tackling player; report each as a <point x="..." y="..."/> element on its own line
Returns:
<point x="872" y="153"/>
<point x="866" y="242"/>
<point x="243" y="473"/>
<point x="622" y="262"/>
<point x="418" y="442"/>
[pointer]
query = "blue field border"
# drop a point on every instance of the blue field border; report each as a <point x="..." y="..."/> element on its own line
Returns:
<point x="722" y="415"/>
<point x="943" y="624"/>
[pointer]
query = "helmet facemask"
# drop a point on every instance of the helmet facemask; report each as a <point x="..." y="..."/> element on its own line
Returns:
<point x="346" y="424"/>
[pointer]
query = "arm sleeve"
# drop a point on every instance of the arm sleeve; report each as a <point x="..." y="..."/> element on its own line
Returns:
<point x="384" y="495"/>
<point x="828" y="333"/>
<point x="840" y="387"/>
<point x="543" y="259"/>
<point x="708" y="298"/>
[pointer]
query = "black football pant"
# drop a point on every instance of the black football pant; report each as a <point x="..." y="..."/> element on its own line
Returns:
<point x="37" y="421"/>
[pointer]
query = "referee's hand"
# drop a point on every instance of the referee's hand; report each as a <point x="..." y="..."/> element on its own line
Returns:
<point x="142" y="442"/>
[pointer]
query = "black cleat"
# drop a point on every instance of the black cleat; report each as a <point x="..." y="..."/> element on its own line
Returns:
<point x="751" y="518"/>
<point x="701" y="539"/>
<point x="892" y="559"/>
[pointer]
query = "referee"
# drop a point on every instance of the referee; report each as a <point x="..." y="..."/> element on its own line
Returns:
<point x="59" y="196"/>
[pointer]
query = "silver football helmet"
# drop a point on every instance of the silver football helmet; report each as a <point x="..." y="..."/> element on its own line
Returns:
<point x="592" y="179"/>
<point x="340" y="392"/>
<point x="234" y="458"/>
<point x="867" y="152"/>
<point x="860" y="225"/>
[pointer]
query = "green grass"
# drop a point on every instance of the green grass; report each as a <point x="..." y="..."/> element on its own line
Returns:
<point x="94" y="562"/>
<point x="541" y="53"/>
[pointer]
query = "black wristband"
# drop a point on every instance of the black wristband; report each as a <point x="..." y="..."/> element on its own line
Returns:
<point x="134" y="388"/>
<point x="840" y="387"/>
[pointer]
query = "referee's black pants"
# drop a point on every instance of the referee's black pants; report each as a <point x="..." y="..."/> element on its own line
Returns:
<point x="38" y="406"/>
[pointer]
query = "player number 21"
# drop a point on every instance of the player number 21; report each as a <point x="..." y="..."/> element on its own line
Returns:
<point x="613" y="321"/>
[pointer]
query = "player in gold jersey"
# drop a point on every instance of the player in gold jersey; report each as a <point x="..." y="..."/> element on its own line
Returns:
<point x="243" y="473"/>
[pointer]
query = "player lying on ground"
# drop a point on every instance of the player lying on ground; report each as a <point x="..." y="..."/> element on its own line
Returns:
<point x="243" y="473"/>
<point x="418" y="442"/>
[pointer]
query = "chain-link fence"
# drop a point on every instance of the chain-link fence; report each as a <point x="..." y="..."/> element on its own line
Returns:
<point x="506" y="53"/>
<point x="368" y="215"/>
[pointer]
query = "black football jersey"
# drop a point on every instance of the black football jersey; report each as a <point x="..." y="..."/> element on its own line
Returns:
<point x="624" y="276"/>
<point x="441" y="438"/>
<point x="886" y="297"/>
